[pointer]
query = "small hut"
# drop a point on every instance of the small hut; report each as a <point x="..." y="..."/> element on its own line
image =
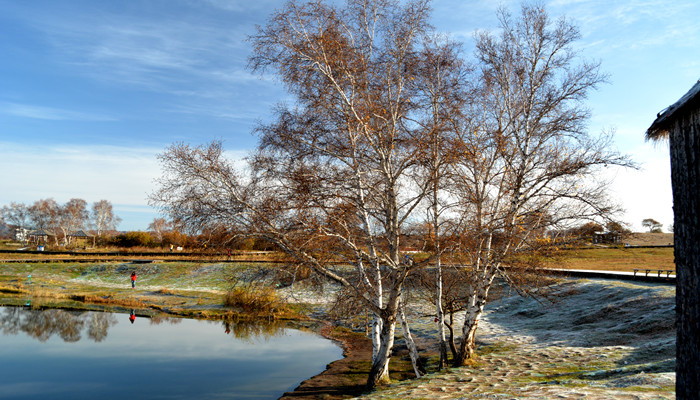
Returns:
<point x="606" y="238"/>
<point x="680" y="124"/>
<point x="79" y="238"/>
<point x="40" y="237"/>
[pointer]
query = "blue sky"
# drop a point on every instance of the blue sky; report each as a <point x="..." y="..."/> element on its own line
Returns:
<point x="92" y="90"/>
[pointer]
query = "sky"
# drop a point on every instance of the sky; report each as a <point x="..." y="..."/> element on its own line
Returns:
<point x="91" y="91"/>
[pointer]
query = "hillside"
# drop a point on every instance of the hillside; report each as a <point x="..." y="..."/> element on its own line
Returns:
<point x="649" y="239"/>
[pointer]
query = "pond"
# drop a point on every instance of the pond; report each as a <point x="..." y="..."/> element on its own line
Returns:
<point x="59" y="354"/>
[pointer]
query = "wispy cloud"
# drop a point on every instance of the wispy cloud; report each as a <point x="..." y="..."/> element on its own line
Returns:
<point x="123" y="175"/>
<point x="163" y="53"/>
<point x="50" y="113"/>
<point x="119" y="174"/>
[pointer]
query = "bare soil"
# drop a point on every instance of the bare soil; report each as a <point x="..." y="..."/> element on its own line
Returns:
<point x="342" y="379"/>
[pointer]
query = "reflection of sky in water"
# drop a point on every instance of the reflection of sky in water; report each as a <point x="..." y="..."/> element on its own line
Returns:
<point x="188" y="360"/>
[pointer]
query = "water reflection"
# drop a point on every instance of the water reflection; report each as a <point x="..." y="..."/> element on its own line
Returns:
<point x="167" y="358"/>
<point x="43" y="324"/>
<point x="247" y="330"/>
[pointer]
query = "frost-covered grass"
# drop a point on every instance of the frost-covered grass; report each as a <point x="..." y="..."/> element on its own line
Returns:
<point x="594" y="339"/>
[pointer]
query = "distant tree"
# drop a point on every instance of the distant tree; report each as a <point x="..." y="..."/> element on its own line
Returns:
<point x="587" y="230"/>
<point x="176" y="238"/>
<point x="158" y="227"/>
<point x="72" y="216"/>
<point x="617" y="227"/>
<point x="45" y="214"/>
<point x="102" y="217"/>
<point x="134" y="239"/>
<point x="653" y="225"/>
<point x="16" y="214"/>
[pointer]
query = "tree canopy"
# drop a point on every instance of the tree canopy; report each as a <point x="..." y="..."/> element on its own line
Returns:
<point x="391" y="126"/>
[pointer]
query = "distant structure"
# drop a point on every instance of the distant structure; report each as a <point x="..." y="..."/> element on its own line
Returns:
<point x="606" y="238"/>
<point x="80" y="238"/>
<point x="680" y="124"/>
<point x="40" y="236"/>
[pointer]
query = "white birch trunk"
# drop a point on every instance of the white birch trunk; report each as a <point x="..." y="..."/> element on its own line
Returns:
<point x="412" y="349"/>
<point x="475" y="309"/>
<point x="380" y="365"/>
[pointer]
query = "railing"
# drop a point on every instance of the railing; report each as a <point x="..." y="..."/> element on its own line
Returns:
<point x="668" y="272"/>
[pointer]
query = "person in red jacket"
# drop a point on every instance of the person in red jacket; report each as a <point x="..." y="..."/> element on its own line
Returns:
<point x="132" y="316"/>
<point x="133" y="279"/>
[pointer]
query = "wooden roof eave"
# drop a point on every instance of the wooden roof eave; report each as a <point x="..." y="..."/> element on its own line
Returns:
<point x="659" y="129"/>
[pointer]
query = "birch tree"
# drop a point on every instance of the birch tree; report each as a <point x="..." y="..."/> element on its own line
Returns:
<point x="72" y="216"/>
<point x="528" y="164"/>
<point x="158" y="227"/>
<point x="44" y="214"/>
<point x="16" y="214"/>
<point x="102" y="217"/>
<point x="327" y="181"/>
<point x="441" y="78"/>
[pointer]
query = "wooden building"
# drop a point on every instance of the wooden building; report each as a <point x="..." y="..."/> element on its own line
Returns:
<point x="606" y="238"/>
<point x="40" y="237"/>
<point x="680" y="124"/>
<point x="80" y="238"/>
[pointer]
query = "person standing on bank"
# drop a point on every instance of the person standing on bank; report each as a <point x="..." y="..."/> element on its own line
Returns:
<point x="133" y="279"/>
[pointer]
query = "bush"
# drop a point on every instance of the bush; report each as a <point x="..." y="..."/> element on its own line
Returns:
<point x="134" y="239"/>
<point x="254" y="300"/>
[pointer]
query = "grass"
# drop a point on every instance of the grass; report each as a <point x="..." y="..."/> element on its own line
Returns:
<point x="187" y="289"/>
<point x="617" y="259"/>
<point x="254" y="301"/>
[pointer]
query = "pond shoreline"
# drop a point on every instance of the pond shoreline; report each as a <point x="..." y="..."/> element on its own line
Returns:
<point x="86" y="292"/>
<point x="529" y="349"/>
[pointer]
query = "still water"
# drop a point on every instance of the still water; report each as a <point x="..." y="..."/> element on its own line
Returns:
<point x="58" y="354"/>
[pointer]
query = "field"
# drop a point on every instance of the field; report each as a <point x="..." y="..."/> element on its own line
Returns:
<point x="616" y="259"/>
<point x="593" y="339"/>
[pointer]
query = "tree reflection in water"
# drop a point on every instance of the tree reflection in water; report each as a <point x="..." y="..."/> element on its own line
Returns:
<point x="248" y="330"/>
<point x="68" y="325"/>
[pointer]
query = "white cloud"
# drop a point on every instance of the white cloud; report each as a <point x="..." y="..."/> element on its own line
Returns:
<point x="50" y="113"/>
<point x="119" y="174"/>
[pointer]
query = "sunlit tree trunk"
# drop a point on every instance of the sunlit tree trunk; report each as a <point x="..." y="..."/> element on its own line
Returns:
<point x="474" y="311"/>
<point x="412" y="349"/>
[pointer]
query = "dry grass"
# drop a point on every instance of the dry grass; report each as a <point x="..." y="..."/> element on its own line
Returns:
<point x="617" y="259"/>
<point x="259" y="301"/>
